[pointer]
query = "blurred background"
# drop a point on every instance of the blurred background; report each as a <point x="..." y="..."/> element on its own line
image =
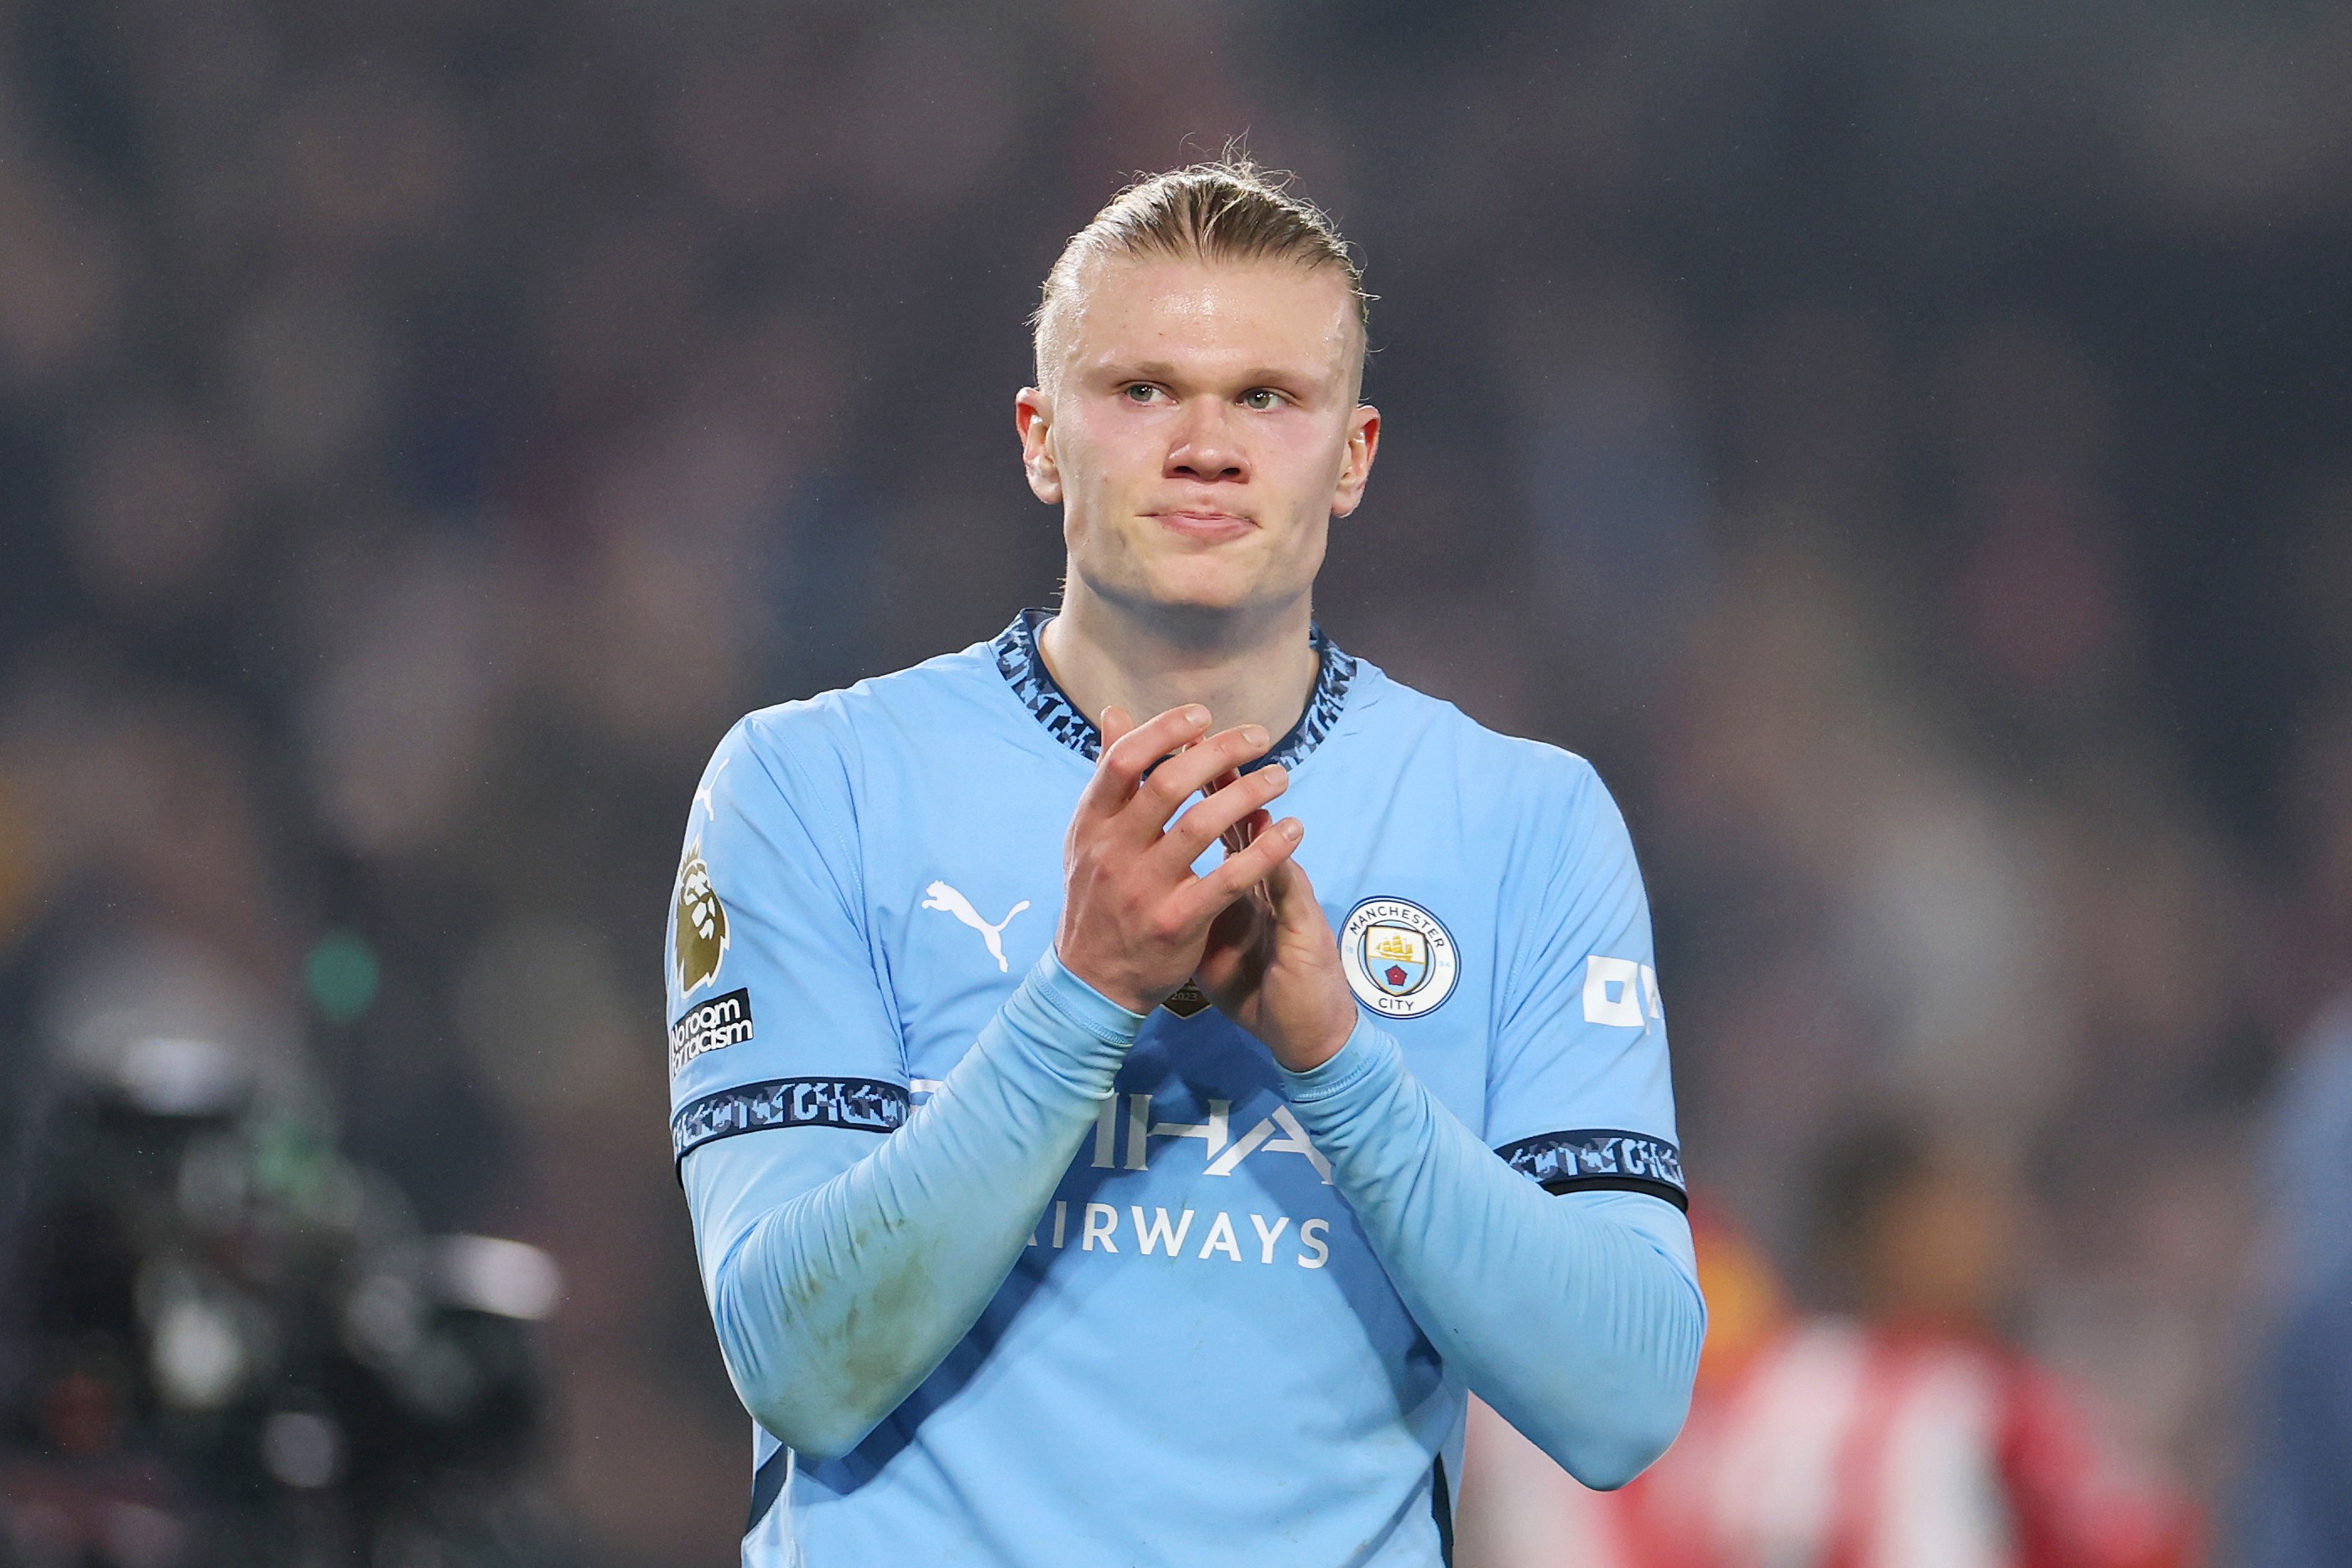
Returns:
<point x="1903" y="443"/>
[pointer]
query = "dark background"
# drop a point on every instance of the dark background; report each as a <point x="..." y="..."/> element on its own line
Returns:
<point x="1903" y="445"/>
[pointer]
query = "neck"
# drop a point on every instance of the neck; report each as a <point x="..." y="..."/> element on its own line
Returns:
<point x="1252" y="667"/>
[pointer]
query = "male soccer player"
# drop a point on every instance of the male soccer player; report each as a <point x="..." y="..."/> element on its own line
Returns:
<point x="1076" y="1183"/>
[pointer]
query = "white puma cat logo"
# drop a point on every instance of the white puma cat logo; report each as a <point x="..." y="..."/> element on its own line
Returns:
<point x="939" y="896"/>
<point x="702" y="791"/>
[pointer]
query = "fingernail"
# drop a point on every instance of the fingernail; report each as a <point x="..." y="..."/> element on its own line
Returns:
<point x="1293" y="829"/>
<point x="1255" y="734"/>
<point x="1276" y="773"/>
<point x="1196" y="715"/>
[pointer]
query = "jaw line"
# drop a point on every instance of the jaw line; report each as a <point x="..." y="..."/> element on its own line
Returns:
<point x="1195" y="626"/>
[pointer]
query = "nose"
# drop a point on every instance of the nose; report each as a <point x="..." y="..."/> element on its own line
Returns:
<point x="1206" y="448"/>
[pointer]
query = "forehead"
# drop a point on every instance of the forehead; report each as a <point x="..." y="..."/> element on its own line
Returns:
<point x="1271" y="313"/>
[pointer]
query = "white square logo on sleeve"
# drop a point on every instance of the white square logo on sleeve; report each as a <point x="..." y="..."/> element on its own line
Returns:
<point x="1621" y="992"/>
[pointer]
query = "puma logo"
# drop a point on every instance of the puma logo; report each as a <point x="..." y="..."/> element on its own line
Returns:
<point x="939" y="896"/>
<point x="702" y="792"/>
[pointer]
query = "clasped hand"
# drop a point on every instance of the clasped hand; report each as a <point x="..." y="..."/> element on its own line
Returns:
<point x="1136" y="921"/>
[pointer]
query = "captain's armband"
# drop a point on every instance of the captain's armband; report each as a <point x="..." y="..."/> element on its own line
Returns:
<point x="1601" y="1159"/>
<point x="860" y="1104"/>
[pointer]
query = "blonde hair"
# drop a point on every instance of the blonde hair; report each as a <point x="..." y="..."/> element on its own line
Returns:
<point x="1227" y="210"/>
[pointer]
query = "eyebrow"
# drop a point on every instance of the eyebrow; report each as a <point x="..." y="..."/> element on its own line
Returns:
<point x="1257" y="375"/>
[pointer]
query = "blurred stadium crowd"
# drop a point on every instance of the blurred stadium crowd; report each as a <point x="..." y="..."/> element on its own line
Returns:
<point x="1903" y="443"/>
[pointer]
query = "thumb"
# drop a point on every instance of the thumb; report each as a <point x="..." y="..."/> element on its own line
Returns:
<point x="1116" y="723"/>
<point x="1295" y="905"/>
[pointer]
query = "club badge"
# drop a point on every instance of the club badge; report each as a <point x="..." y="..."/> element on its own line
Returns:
<point x="702" y="939"/>
<point x="1401" y="959"/>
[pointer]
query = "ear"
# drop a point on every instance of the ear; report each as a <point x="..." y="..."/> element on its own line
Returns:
<point x="1356" y="467"/>
<point x="1033" y="416"/>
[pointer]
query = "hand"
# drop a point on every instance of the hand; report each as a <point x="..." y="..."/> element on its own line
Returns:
<point x="1134" y="917"/>
<point x="1271" y="965"/>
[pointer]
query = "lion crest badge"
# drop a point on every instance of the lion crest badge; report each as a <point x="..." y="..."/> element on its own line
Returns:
<point x="702" y="941"/>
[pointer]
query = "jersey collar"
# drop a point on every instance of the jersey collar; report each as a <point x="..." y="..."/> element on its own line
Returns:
<point x="1023" y="669"/>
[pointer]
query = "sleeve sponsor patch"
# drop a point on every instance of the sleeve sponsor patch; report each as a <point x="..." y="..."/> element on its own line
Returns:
<point x="861" y="1104"/>
<point x="711" y="1025"/>
<point x="1601" y="1159"/>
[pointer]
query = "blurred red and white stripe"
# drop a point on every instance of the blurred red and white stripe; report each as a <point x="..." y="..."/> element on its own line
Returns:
<point x="1837" y="1446"/>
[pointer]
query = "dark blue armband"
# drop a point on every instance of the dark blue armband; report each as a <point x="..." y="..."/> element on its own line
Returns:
<point x="1601" y="1159"/>
<point x="861" y="1104"/>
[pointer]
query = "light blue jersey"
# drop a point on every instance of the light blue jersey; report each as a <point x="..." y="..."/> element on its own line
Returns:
<point x="1197" y="1355"/>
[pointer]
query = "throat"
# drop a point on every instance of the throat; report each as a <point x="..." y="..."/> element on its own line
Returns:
<point x="1022" y="663"/>
<point x="1266" y="677"/>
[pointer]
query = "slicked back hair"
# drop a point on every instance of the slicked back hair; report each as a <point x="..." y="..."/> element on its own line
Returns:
<point x="1228" y="210"/>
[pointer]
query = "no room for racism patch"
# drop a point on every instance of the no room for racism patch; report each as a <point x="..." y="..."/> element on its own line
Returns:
<point x="711" y="1025"/>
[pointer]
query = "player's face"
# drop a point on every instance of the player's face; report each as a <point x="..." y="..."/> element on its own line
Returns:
<point x="1203" y="430"/>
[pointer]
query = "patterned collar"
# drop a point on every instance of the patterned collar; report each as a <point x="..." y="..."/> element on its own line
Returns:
<point x="1023" y="669"/>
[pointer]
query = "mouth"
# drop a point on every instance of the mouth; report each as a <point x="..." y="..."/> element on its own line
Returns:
<point x="1203" y="524"/>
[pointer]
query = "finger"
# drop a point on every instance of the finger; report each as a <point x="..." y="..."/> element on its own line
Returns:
<point x="1236" y="837"/>
<point x="1116" y="723"/>
<point x="1239" y="873"/>
<point x="1124" y="761"/>
<point x="1178" y="779"/>
<point x="1234" y="948"/>
<point x="1213" y="816"/>
<point x="1296" y="907"/>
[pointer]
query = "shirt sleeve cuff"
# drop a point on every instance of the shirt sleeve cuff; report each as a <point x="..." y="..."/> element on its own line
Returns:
<point x="1368" y="1061"/>
<point x="1056" y="988"/>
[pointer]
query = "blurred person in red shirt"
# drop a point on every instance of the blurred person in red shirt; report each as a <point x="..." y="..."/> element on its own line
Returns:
<point x="1907" y="1436"/>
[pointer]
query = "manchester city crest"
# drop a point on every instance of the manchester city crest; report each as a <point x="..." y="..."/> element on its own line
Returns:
<point x="1401" y="959"/>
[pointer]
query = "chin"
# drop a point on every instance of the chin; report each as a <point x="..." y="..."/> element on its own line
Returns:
<point x="1207" y="587"/>
<point x="1197" y="585"/>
